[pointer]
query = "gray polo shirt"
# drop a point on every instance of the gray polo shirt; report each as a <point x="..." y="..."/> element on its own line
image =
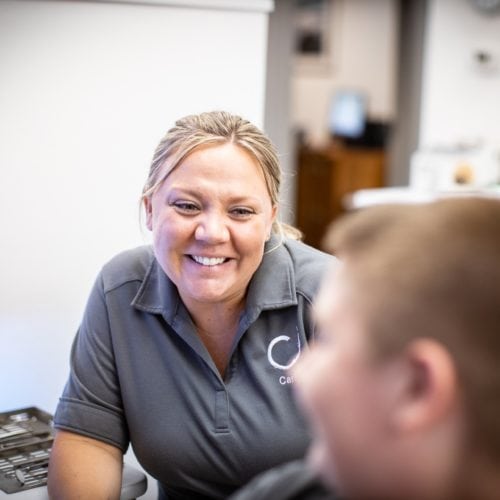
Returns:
<point x="140" y="374"/>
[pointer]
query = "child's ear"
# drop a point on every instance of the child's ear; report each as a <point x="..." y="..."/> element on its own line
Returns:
<point x="428" y="390"/>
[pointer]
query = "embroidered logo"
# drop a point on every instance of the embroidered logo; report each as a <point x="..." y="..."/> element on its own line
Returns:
<point x="271" y="355"/>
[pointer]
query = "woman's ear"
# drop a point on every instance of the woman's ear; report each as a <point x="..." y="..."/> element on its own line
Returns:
<point x="149" y="212"/>
<point x="274" y="214"/>
<point x="429" y="388"/>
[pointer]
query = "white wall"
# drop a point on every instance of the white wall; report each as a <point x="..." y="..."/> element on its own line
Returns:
<point x="87" y="89"/>
<point x="363" y="56"/>
<point x="460" y="100"/>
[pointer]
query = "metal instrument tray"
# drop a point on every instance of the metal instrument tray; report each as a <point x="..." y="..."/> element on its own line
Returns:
<point x="26" y="437"/>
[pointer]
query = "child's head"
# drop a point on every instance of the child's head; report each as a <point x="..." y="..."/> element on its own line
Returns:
<point x="404" y="388"/>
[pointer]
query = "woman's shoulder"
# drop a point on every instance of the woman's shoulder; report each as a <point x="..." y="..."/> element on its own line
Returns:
<point x="307" y="259"/>
<point x="129" y="265"/>
<point x="306" y="254"/>
<point x="309" y="265"/>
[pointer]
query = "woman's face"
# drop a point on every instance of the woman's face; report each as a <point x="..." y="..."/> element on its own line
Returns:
<point x="210" y="219"/>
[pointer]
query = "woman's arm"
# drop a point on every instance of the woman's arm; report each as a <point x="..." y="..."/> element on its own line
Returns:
<point x="84" y="468"/>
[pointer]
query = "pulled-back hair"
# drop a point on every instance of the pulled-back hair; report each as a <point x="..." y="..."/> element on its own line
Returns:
<point x="210" y="129"/>
<point x="433" y="271"/>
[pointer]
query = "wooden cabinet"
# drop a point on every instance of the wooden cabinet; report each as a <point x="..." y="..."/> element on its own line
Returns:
<point x="325" y="177"/>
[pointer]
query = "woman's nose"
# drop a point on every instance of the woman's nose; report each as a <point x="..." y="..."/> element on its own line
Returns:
<point x="212" y="229"/>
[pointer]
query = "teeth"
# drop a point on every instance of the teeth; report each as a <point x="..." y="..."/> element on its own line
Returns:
<point x="208" y="261"/>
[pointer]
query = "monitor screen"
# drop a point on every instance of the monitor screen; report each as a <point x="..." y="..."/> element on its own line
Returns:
<point x="347" y="117"/>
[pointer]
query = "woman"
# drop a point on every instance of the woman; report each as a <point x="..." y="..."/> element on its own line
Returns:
<point x="184" y="346"/>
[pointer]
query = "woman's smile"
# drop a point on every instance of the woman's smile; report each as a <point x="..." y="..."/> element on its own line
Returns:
<point x="208" y="261"/>
<point x="203" y="264"/>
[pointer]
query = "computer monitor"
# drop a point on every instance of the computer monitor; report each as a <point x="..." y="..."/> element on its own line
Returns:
<point x="347" y="116"/>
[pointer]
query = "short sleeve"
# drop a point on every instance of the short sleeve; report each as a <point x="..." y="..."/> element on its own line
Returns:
<point x="91" y="402"/>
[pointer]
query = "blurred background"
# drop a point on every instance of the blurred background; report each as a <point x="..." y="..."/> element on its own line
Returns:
<point x="360" y="96"/>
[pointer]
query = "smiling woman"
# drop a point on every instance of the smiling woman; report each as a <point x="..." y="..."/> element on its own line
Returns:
<point x="184" y="347"/>
<point x="210" y="219"/>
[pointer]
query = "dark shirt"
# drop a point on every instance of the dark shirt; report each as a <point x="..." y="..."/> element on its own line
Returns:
<point x="140" y="374"/>
<point x="292" y="481"/>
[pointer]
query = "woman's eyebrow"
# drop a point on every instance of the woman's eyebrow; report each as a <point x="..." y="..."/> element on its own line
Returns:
<point x="198" y="193"/>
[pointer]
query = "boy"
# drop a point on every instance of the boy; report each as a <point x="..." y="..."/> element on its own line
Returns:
<point x="403" y="390"/>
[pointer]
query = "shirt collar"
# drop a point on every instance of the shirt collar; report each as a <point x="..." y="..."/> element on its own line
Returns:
<point x="271" y="287"/>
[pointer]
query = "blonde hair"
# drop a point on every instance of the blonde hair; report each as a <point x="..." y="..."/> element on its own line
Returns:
<point x="433" y="271"/>
<point x="212" y="128"/>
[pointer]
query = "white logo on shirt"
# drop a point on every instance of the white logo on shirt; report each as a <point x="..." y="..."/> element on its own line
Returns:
<point x="273" y="343"/>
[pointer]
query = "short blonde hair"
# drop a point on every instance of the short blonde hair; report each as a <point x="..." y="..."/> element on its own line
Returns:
<point x="433" y="271"/>
<point x="212" y="128"/>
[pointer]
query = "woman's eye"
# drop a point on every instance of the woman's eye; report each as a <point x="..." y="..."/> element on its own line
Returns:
<point x="185" y="207"/>
<point x="242" y="212"/>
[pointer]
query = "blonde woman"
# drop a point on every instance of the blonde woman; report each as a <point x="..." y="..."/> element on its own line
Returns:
<point x="185" y="345"/>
